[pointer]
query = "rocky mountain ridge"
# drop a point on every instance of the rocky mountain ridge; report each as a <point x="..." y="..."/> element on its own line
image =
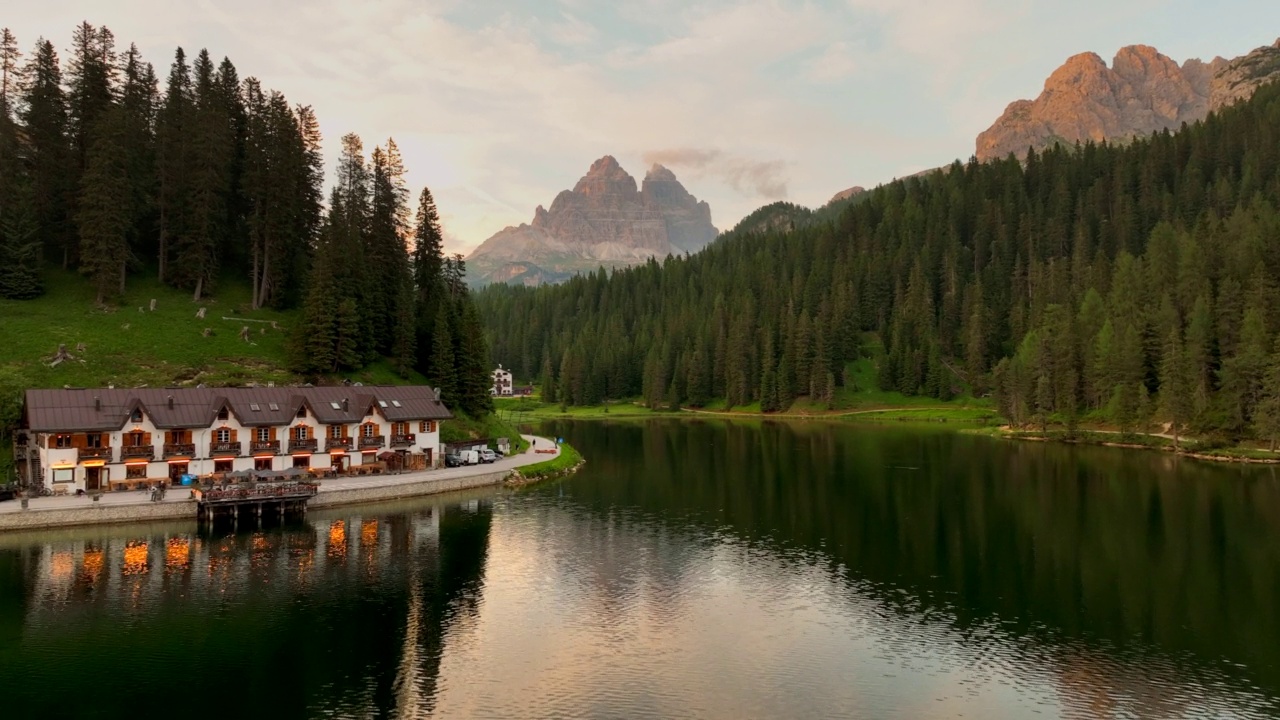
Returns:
<point x="604" y="220"/>
<point x="1143" y="91"/>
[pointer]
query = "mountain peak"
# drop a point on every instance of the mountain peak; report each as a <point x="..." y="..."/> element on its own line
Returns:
<point x="606" y="177"/>
<point x="603" y="220"/>
<point x="658" y="173"/>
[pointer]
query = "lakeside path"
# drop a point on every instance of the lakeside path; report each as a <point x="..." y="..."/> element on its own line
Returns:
<point x="136" y="506"/>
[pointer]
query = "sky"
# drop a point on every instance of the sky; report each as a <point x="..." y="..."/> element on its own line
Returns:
<point x="498" y="106"/>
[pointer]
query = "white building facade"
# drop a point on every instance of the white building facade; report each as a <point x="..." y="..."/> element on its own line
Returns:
<point x="103" y="439"/>
<point x="501" y="383"/>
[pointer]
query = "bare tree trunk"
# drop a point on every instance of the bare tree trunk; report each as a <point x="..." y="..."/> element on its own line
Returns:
<point x="266" y="272"/>
<point x="199" y="287"/>
<point x="255" y="279"/>
<point x="164" y="238"/>
<point x="123" y="267"/>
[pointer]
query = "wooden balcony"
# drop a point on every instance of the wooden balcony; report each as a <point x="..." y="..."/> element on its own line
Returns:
<point x="137" y="452"/>
<point x="226" y="449"/>
<point x="265" y="446"/>
<point x="337" y="444"/>
<point x="403" y="440"/>
<point x="377" y="441"/>
<point x="179" y="450"/>
<point x="308" y="445"/>
<point x="96" y="453"/>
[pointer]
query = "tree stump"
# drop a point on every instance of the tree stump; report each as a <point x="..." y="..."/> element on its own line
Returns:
<point x="207" y="332"/>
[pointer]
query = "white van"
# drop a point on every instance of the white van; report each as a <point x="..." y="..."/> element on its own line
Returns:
<point x="470" y="457"/>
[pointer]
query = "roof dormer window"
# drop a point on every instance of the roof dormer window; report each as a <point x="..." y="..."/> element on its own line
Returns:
<point x="302" y="411"/>
<point x="136" y="416"/>
<point x="222" y="414"/>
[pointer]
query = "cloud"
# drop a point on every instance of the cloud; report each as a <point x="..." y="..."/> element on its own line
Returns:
<point x="836" y="63"/>
<point x="760" y="178"/>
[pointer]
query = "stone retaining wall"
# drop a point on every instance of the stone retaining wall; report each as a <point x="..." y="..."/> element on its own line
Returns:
<point x="96" y="514"/>
<point x="353" y="496"/>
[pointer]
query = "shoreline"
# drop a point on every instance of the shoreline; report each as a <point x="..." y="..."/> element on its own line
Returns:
<point x="1224" y="455"/>
<point x="136" y="507"/>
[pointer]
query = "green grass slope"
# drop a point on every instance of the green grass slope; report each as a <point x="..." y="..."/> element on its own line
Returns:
<point x="128" y="347"/>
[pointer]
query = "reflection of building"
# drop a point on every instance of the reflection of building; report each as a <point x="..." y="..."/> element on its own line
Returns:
<point x="501" y="382"/>
<point x="138" y="570"/>
<point x="98" y="439"/>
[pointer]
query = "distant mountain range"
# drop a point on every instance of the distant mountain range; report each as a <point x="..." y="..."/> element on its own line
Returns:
<point x="605" y="220"/>
<point x="1142" y="92"/>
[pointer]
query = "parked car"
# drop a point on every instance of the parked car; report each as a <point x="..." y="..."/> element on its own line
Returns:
<point x="488" y="456"/>
<point x="453" y="460"/>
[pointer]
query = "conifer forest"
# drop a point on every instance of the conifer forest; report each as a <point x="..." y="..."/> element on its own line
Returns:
<point x="1128" y="283"/>
<point x="110" y="172"/>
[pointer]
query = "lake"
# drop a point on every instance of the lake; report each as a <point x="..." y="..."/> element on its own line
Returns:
<point x="691" y="569"/>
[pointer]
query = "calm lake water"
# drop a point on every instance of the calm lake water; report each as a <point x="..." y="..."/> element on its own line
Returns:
<point x="690" y="570"/>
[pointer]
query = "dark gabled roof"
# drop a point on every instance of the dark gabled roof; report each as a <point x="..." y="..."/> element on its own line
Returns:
<point x="105" y="409"/>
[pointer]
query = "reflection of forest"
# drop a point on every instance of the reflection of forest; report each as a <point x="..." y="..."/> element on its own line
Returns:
<point x="304" y="616"/>
<point x="1110" y="556"/>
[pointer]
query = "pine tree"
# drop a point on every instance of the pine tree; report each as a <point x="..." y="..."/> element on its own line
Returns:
<point x="103" y="218"/>
<point x="1267" y="415"/>
<point x="404" y="331"/>
<point x="211" y="151"/>
<point x="174" y="126"/>
<point x="443" y="373"/>
<point x="547" y="381"/>
<point x="9" y="69"/>
<point x="19" y="245"/>
<point x="347" y="336"/>
<point x="43" y="114"/>
<point x="1175" y="383"/>
<point x="139" y="99"/>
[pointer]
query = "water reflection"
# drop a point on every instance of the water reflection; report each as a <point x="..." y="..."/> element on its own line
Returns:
<point x="280" y="618"/>
<point x="1144" y="584"/>
<point x="691" y="570"/>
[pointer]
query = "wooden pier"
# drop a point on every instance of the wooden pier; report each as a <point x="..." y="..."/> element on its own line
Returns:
<point x="236" y="502"/>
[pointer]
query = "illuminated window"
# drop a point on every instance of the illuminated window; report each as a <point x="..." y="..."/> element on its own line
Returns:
<point x="135" y="472"/>
<point x="222" y="466"/>
<point x="264" y="434"/>
<point x="262" y="463"/>
<point x="302" y="461"/>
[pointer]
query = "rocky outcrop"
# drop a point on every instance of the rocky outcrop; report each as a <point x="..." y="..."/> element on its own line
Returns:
<point x="846" y="194"/>
<point x="605" y="220"/>
<point x="1141" y="92"/>
<point x="1239" y="78"/>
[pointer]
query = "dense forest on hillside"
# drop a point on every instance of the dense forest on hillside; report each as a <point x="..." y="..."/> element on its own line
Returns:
<point x="218" y="179"/>
<point x="1129" y="284"/>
